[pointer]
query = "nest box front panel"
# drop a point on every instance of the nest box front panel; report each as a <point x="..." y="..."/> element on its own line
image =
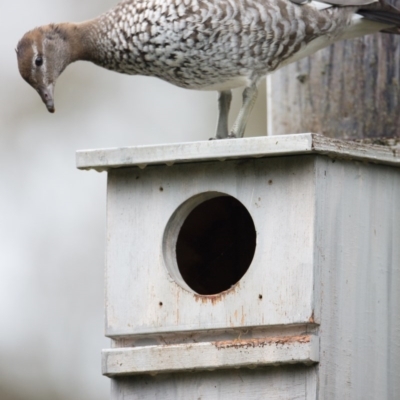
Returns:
<point x="212" y="245"/>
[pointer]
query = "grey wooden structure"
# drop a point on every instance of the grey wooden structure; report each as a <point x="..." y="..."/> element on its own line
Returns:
<point x="348" y="90"/>
<point x="313" y="312"/>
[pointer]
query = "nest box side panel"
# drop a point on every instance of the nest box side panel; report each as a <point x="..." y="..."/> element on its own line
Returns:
<point x="358" y="254"/>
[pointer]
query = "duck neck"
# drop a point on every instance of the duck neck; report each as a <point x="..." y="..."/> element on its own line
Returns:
<point x="82" y="39"/>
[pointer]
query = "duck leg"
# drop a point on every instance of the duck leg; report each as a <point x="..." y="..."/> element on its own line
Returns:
<point x="224" y="104"/>
<point x="249" y="98"/>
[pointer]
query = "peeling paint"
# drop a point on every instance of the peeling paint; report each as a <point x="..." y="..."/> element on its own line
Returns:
<point x="261" y="342"/>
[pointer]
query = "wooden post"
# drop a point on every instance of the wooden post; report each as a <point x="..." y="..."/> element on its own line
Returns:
<point x="228" y="262"/>
<point x="348" y="90"/>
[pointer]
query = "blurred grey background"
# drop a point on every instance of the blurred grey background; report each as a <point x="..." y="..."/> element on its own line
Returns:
<point x="52" y="216"/>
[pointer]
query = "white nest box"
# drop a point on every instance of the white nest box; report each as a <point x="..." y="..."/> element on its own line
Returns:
<point x="260" y="268"/>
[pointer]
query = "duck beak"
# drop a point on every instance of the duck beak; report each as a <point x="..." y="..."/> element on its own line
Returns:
<point x="47" y="95"/>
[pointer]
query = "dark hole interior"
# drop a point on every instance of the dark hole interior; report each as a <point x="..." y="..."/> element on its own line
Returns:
<point x="216" y="245"/>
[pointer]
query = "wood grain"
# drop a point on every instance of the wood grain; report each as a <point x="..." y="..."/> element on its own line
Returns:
<point x="276" y="383"/>
<point x="142" y="296"/>
<point x="211" y="355"/>
<point x="357" y="255"/>
<point x="348" y="90"/>
<point x="179" y="153"/>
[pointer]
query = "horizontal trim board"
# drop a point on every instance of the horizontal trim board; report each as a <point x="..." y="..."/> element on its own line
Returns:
<point x="250" y="353"/>
<point x="254" y="147"/>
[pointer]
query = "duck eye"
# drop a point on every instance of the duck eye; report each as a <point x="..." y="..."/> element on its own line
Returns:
<point x="39" y="61"/>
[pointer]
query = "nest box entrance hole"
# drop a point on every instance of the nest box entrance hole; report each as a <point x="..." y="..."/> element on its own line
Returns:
<point x="209" y="243"/>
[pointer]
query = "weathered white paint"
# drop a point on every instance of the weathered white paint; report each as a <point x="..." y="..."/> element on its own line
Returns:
<point x="255" y="147"/>
<point x="274" y="383"/>
<point x="280" y="197"/>
<point x="327" y="263"/>
<point x="357" y="266"/>
<point x="209" y="356"/>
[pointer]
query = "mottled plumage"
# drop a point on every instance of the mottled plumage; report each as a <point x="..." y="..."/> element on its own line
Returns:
<point x="205" y="45"/>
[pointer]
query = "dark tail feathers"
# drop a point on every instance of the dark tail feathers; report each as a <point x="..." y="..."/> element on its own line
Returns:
<point x="385" y="11"/>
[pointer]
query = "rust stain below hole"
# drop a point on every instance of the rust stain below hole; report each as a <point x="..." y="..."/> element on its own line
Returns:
<point x="215" y="298"/>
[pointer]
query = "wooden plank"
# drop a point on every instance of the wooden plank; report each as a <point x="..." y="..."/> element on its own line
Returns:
<point x="357" y="258"/>
<point x="169" y="154"/>
<point x="294" y="382"/>
<point x="355" y="150"/>
<point x="211" y="355"/>
<point x="256" y="147"/>
<point x="143" y="295"/>
<point x="348" y="90"/>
